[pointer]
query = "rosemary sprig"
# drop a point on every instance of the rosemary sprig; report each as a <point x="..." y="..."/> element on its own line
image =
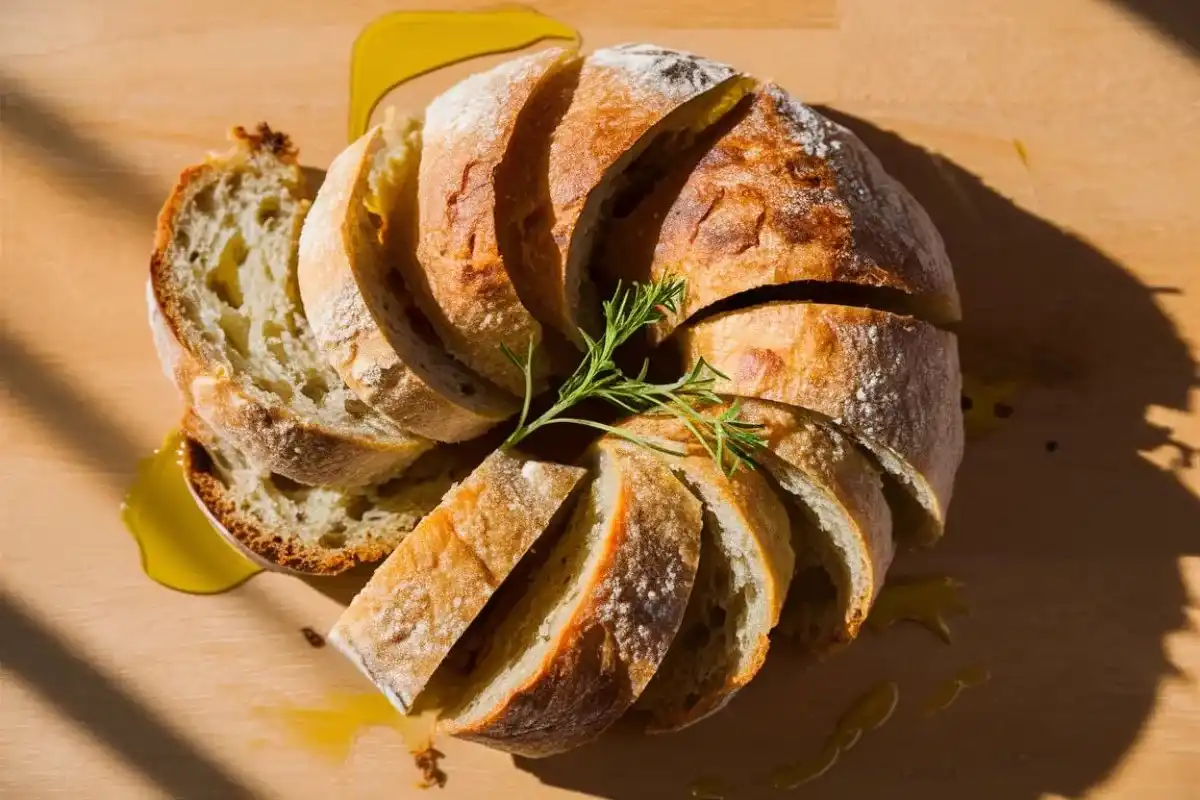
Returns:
<point x="731" y="441"/>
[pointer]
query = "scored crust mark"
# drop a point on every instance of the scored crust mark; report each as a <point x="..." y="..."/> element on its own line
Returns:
<point x="355" y="245"/>
<point x="892" y="382"/>
<point x="585" y="637"/>
<point x="784" y="197"/>
<point x="231" y="332"/>
<point x="478" y="177"/>
<point x="421" y="601"/>
<point x="627" y="100"/>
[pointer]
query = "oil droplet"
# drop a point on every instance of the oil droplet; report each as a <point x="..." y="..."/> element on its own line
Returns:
<point x="1022" y="153"/>
<point x="805" y="770"/>
<point x="330" y="729"/>
<point x="949" y="690"/>
<point x="869" y="712"/>
<point x="180" y="548"/>
<point x="926" y="601"/>
<point x="709" y="789"/>
<point x="406" y="44"/>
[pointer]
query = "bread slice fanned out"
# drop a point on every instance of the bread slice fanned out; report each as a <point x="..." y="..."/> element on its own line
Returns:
<point x="746" y="566"/>
<point x="360" y="228"/>
<point x="630" y="110"/>
<point x="589" y="631"/>
<point x="418" y="603"/>
<point x="230" y="329"/>
<point x="476" y="177"/>
<point x="844" y="549"/>
<point x="286" y="526"/>
<point x="891" y="381"/>
<point x="784" y="196"/>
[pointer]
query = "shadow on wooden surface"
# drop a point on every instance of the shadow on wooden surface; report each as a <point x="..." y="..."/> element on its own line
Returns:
<point x="98" y="704"/>
<point x="1176" y="19"/>
<point x="1067" y="538"/>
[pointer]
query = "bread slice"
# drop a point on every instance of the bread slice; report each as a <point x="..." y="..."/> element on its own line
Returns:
<point x="402" y="625"/>
<point x="891" y="381"/>
<point x="231" y="332"/>
<point x="475" y="179"/>
<point x="632" y="108"/>
<point x="785" y="195"/>
<point x="845" y="546"/>
<point x="588" y="633"/>
<point x="286" y="526"/>
<point x="360" y="226"/>
<point x="746" y="566"/>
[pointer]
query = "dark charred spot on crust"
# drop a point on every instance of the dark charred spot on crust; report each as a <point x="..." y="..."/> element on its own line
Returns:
<point x="264" y="138"/>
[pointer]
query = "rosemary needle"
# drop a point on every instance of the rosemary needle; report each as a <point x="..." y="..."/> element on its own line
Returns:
<point x="729" y="440"/>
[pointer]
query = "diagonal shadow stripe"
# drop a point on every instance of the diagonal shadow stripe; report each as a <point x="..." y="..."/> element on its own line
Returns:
<point x="128" y="729"/>
<point x="37" y="127"/>
<point x="37" y="385"/>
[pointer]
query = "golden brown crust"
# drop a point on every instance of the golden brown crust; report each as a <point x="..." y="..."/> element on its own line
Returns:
<point x="277" y="143"/>
<point x="401" y="626"/>
<point x="748" y="496"/>
<point x="469" y="172"/>
<point x="621" y="626"/>
<point x="622" y="96"/>
<point x="891" y="381"/>
<point x="270" y="434"/>
<point x="783" y="196"/>
<point x="366" y="322"/>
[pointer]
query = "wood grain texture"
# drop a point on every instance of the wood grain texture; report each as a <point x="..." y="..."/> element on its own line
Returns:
<point x="1053" y="145"/>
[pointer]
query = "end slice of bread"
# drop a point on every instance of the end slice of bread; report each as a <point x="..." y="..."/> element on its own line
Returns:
<point x="891" y="381"/>
<point x="632" y="109"/>
<point x="402" y="625"/>
<point x="231" y="331"/>
<point x="477" y="173"/>
<point x="746" y="567"/>
<point x="784" y="196"/>
<point x="287" y="526"/>
<point x="355" y="239"/>
<point x="590" y="630"/>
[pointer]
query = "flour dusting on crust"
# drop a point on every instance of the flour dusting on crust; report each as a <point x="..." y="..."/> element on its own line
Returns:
<point x="659" y="72"/>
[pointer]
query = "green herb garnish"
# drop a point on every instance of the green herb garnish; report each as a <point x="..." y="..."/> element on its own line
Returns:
<point x="731" y="441"/>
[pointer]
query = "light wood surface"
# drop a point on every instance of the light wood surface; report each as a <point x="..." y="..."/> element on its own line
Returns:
<point x="1054" y="143"/>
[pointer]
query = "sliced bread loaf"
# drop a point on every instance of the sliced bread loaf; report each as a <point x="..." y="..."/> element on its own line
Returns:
<point x="630" y="110"/>
<point x="284" y="525"/>
<point x="477" y="181"/>
<point x="746" y="567"/>
<point x="891" y="381"/>
<point x="844" y="547"/>
<point x="784" y="195"/>
<point x="230" y="329"/>
<point x="590" y="630"/>
<point x="360" y="227"/>
<point x="402" y="625"/>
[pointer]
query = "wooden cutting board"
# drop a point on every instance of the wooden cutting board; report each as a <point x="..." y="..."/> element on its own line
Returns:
<point x="1054" y="144"/>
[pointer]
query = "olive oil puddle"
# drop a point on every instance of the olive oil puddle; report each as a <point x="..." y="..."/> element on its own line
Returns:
<point x="929" y="602"/>
<point x="179" y="546"/>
